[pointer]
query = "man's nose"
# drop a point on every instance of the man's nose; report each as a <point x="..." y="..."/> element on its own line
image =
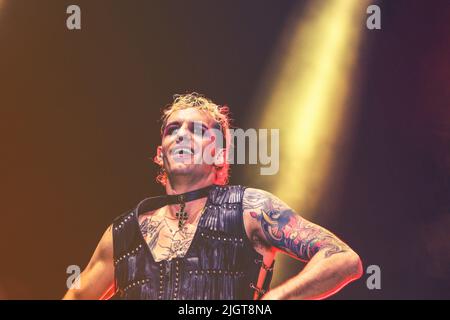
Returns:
<point x="182" y="133"/>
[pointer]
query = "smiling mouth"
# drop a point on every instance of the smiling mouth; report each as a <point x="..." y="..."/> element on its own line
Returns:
<point x="182" y="151"/>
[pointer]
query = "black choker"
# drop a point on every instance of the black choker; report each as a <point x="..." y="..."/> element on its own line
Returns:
<point x="154" y="203"/>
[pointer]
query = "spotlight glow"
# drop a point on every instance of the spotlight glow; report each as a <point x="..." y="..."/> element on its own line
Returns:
<point x="308" y="96"/>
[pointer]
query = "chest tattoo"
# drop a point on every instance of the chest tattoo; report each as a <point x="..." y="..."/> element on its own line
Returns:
<point x="165" y="240"/>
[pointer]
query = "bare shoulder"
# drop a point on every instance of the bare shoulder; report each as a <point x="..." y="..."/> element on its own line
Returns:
<point x="99" y="273"/>
<point x="254" y="202"/>
<point x="105" y="246"/>
<point x="260" y="199"/>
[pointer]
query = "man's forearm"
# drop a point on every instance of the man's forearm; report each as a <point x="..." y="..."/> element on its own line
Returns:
<point x="320" y="278"/>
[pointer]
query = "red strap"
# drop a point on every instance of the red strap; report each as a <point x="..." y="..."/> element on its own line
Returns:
<point x="108" y="293"/>
<point x="266" y="264"/>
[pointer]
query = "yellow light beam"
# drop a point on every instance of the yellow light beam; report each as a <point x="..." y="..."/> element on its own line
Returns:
<point x="308" y="96"/>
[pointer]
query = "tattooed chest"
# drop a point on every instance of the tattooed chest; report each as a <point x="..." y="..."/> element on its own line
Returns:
<point x="165" y="240"/>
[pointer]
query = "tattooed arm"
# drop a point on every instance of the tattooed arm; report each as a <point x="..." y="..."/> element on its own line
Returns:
<point x="272" y="225"/>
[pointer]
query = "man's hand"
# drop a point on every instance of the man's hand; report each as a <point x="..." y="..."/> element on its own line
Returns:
<point x="331" y="263"/>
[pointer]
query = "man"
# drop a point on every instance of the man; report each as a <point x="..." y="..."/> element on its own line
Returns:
<point x="205" y="239"/>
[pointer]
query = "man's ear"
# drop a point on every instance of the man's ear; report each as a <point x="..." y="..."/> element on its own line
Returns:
<point x="220" y="157"/>
<point x="159" y="156"/>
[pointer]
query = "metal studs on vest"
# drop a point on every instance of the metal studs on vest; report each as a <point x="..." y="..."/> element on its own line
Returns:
<point x="135" y="283"/>
<point x="124" y="220"/>
<point x="177" y="278"/>
<point x="200" y="274"/>
<point x="125" y="255"/>
<point x="161" y="281"/>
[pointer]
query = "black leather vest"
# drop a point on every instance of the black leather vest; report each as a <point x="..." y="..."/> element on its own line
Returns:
<point x="219" y="264"/>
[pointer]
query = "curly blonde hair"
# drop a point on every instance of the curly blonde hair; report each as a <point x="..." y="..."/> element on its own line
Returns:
<point x="220" y="114"/>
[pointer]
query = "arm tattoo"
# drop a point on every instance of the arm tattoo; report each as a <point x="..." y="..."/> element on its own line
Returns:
<point x="286" y="230"/>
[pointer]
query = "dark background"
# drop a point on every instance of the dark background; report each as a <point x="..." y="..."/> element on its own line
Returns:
<point x="79" y="127"/>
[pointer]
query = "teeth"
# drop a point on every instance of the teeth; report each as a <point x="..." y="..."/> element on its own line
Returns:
<point x="183" y="151"/>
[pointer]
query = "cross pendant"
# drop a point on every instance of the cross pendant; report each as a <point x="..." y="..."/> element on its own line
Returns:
<point x="182" y="216"/>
